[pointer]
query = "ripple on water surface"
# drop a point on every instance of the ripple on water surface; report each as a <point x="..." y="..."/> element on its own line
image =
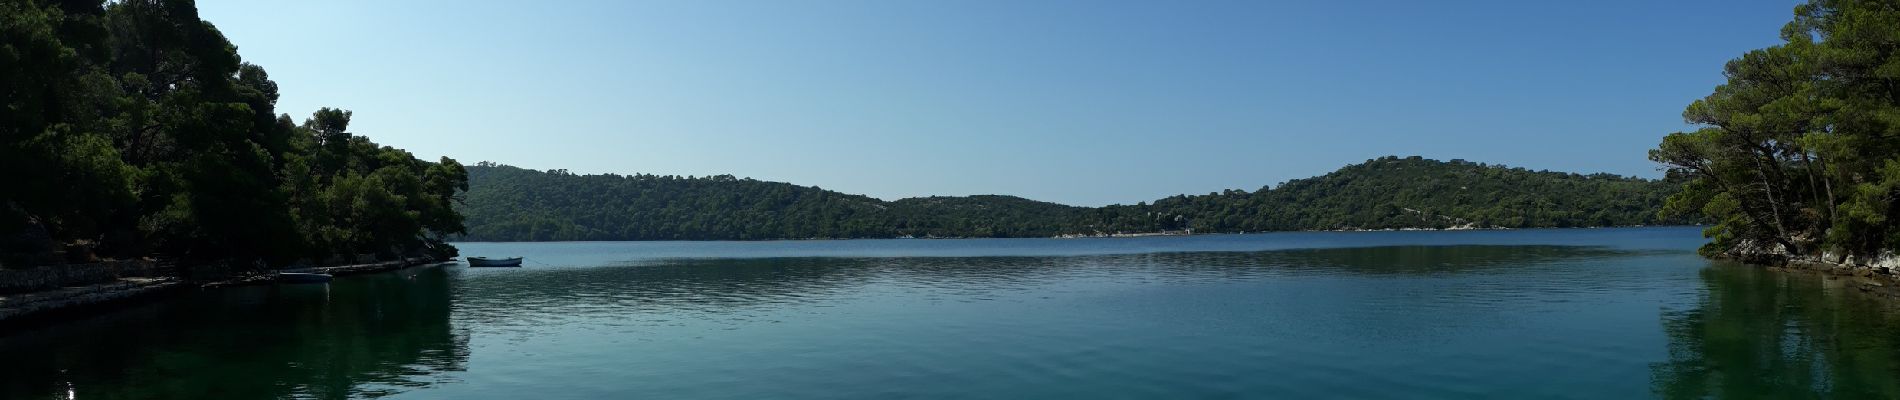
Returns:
<point x="1534" y="314"/>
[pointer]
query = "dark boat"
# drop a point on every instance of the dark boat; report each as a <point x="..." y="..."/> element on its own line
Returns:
<point x="494" y="262"/>
<point x="303" y="277"/>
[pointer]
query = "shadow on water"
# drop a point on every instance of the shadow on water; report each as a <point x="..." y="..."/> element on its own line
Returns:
<point x="295" y="341"/>
<point x="1760" y="334"/>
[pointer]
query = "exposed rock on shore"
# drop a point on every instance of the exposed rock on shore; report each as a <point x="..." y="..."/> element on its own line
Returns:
<point x="47" y="290"/>
<point x="18" y="306"/>
<point x="1879" y="274"/>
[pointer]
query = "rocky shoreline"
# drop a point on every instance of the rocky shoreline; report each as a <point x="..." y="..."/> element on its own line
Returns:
<point x="57" y="291"/>
<point x="340" y="270"/>
<point x="1878" y="275"/>
<point x="20" y="308"/>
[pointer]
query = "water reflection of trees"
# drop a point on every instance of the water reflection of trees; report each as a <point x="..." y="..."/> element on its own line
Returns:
<point x="361" y="338"/>
<point x="377" y="334"/>
<point x="1771" y="335"/>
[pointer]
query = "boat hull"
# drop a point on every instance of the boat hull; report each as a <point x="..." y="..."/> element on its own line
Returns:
<point x="494" y="262"/>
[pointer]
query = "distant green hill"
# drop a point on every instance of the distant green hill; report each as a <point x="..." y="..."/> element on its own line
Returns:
<point x="506" y="203"/>
<point x="1396" y="193"/>
<point x="513" y="204"/>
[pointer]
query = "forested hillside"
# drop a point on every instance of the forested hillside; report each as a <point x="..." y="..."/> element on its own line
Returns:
<point x="133" y="129"/>
<point x="508" y="204"/>
<point x="1392" y="193"/>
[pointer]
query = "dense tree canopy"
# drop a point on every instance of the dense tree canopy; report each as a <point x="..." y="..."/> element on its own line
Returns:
<point x="508" y="204"/>
<point x="1799" y="152"/>
<point x="1398" y="193"/>
<point x="133" y="128"/>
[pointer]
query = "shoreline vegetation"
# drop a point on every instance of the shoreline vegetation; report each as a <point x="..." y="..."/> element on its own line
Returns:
<point x="142" y="133"/>
<point x="146" y="155"/>
<point x="1796" y="158"/>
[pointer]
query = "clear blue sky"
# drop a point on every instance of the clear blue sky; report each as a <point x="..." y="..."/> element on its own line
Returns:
<point x="1079" y="102"/>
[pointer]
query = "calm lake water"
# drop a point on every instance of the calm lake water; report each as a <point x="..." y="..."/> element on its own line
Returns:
<point x="1589" y="313"/>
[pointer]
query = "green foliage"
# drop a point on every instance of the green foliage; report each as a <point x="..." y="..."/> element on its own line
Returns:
<point x="1797" y="150"/>
<point x="133" y="128"/>
<point x="508" y="203"/>
<point x="513" y="204"/>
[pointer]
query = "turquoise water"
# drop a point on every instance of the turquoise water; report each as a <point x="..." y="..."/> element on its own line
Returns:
<point x="1596" y="313"/>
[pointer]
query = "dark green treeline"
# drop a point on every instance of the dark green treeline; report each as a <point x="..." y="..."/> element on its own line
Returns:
<point x="513" y="204"/>
<point x="1799" y="152"/>
<point x="133" y="128"/>
<point x="372" y="337"/>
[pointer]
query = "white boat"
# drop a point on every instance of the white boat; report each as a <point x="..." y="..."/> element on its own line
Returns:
<point x="494" y="262"/>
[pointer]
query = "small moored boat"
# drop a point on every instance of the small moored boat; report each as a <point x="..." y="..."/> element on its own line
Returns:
<point x="494" y="262"/>
<point x="303" y="277"/>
